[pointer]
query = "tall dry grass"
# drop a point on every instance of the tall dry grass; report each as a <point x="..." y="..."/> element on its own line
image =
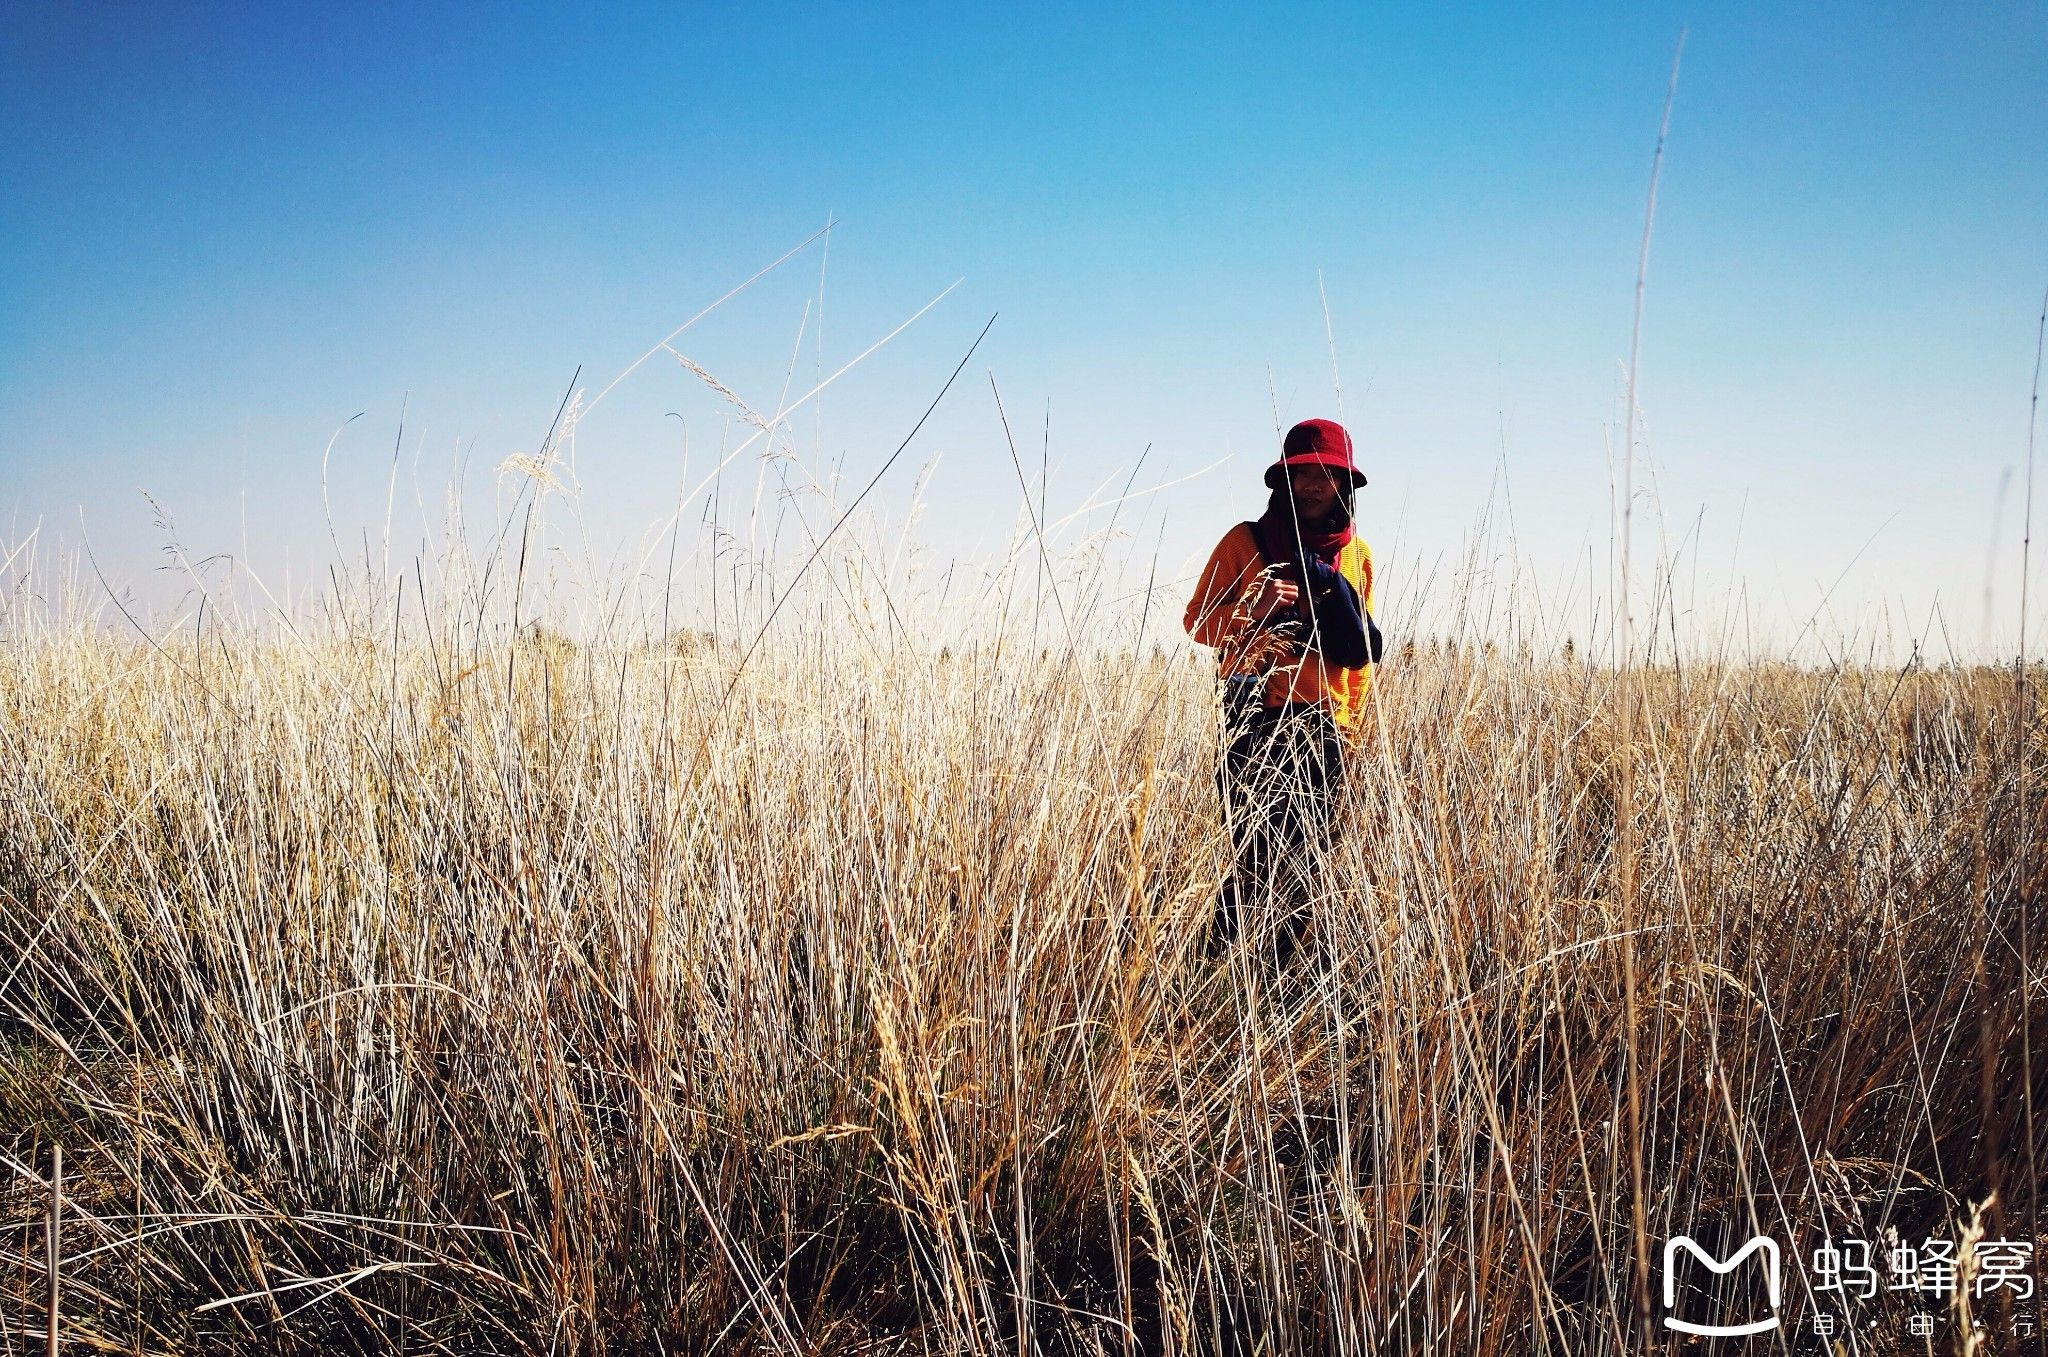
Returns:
<point x="412" y="990"/>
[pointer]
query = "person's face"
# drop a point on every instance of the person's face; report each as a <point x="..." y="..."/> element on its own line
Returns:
<point x="1314" y="489"/>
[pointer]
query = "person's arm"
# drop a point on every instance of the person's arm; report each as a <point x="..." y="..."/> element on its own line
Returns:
<point x="1214" y="616"/>
<point x="1343" y="633"/>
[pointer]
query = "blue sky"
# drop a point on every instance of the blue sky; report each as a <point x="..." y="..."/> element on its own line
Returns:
<point x="226" y="230"/>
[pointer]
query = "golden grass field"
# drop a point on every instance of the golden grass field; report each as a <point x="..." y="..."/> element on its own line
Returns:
<point x="441" y="996"/>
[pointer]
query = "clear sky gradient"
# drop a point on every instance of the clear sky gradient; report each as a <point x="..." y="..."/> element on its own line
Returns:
<point x="226" y="230"/>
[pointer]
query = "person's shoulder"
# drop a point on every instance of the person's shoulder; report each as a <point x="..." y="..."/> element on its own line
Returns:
<point x="1354" y="563"/>
<point x="1238" y="541"/>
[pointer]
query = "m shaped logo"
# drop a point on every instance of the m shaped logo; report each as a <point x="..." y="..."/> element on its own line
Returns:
<point x="1763" y="1244"/>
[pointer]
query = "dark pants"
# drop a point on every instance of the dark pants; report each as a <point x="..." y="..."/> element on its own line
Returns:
<point x="1282" y="770"/>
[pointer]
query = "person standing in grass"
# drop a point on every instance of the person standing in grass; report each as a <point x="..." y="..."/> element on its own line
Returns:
<point x="1286" y="599"/>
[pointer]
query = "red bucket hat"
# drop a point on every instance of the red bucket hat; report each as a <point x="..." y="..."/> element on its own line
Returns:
<point x="1315" y="442"/>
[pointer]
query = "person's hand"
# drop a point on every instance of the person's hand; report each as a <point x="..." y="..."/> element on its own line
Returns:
<point x="1270" y="597"/>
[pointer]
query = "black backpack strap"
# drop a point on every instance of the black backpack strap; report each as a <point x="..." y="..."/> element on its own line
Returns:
<point x="1252" y="527"/>
<point x="1267" y="556"/>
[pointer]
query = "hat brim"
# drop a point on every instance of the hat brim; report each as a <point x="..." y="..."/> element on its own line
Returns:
<point x="1277" y="472"/>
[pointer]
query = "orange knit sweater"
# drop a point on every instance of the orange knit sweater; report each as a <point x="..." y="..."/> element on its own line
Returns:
<point x="1216" y="617"/>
